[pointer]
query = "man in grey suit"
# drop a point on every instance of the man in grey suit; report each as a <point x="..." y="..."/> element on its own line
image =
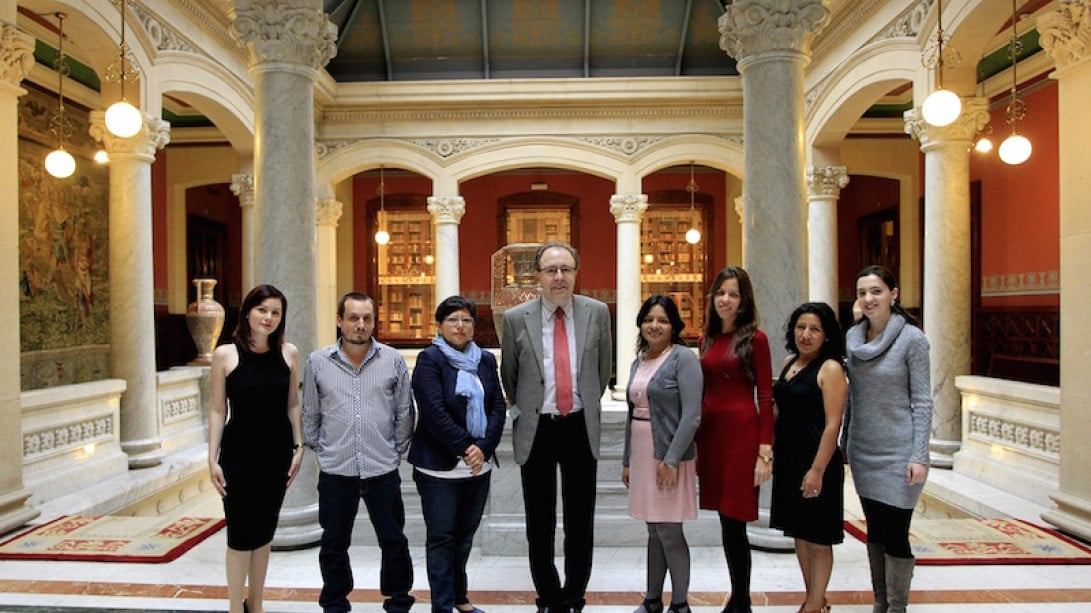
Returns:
<point x="556" y="362"/>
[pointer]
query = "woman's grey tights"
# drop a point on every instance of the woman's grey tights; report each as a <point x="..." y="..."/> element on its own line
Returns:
<point x="667" y="550"/>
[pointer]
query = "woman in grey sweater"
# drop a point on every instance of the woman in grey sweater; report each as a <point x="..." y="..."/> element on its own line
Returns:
<point x="658" y="465"/>
<point x="888" y="420"/>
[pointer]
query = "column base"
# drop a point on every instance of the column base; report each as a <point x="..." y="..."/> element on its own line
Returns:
<point x="1072" y="515"/>
<point x="941" y="453"/>
<point x="13" y="510"/>
<point x="765" y="538"/>
<point x="298" y="526"/>
<point x="144" y="453"/>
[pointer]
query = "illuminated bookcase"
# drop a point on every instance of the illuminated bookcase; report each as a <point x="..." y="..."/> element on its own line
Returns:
<point x="669" y="265"/>
<point x="406" y="277"/>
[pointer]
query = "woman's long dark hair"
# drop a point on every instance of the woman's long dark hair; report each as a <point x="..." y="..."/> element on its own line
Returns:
<point x="746" y="320"/>
<point x="834" y="347"/>
<point x="677" y="325"/>
<point x="891" y="283"/>
<point x="259" y="294"/>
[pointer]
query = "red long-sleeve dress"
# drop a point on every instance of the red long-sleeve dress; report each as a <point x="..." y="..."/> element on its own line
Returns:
<point x="732" y="427"/>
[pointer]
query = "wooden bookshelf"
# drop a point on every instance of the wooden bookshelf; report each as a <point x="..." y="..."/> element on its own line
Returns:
<point x="406" y="277"/>
<point x="669" y="265"/>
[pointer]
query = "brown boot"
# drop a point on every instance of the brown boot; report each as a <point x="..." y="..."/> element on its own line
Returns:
<point x="876" y="557"/>
<point x="899" y="574"/>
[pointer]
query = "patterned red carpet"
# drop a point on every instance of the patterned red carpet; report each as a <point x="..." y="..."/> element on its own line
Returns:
<point x="109" y="538"/>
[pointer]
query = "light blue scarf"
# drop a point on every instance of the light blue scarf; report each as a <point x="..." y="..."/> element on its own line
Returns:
<point x="467" y="385"/>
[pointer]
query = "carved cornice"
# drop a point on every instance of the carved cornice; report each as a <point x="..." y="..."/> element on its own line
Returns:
<point x="16" y="54"/>
<point x="625" y="145"/>
<point x="1066" y="32"/>
<point x="827" y="180"/>
<point x="242" y="185"/>
<point x="447" y="209"/>
<point x="370" y="114"/>
<point x="154" y="136"/>
<point x="213" y="15"/>
<point x="843" y="23"/>
<point x="754" y="27"/>
<point x="446" y="147"/>
<point x="64" y="437"/>
<point x="284" y="31"/>
<point x="628" y="208"/>
<point x="180" y="409"/>
<point x="1028" y="437"/>
<point x="975" y="114"/>
<point x="327" y="211"/>
<point x="162" y="35"/>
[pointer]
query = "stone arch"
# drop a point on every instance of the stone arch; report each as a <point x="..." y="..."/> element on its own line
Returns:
<point x="570" y="154"/>
<point x="712" y="151"/>
<point x="341" y="163"/>
<point x="216" y="93"/>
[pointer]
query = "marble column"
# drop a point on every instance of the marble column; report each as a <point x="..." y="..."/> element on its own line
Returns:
<point x="447" y="212"/>
<point x="287" y="42"/>
<point x="946" y="311"/>
<point x="242" y="185"/>
<point x="16" y="58"/>
<point x="1066" y="35"/>
<point x="327" y="214"/>
<point x="771" y="41"/>
<point x="824" y="187"/>
<point x="132" y="306"/>
<point x="628" y="211"/>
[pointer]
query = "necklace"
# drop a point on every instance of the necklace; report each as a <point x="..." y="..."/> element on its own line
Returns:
<point x="648" y="356"/>
<point x="794" y="370"/>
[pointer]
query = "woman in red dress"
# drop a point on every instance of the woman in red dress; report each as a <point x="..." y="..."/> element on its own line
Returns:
<point x="735" y="440"/>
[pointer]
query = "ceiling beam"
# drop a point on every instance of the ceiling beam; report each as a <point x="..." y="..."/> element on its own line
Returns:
<point x="485" y="35"/>
<point x="686" y="17"/>
<point x="386" y="41"/>
<point x="586" y="38"/>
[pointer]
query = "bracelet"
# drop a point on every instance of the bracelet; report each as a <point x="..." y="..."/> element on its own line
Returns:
<point x="768" y="459"/>
<point x="297" y="447"/>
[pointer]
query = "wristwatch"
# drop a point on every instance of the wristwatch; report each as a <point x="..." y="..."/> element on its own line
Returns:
<point x="768" y="459"/>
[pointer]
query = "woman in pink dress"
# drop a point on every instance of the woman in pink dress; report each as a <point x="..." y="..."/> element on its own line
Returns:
<point x="735" y="442"/>
<point x="658" y="463"/>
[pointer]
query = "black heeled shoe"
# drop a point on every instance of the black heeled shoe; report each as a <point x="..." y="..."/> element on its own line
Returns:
<point x="679" y="607"/>
<point x="650" y="605"/>
<point x="245" y="608"/>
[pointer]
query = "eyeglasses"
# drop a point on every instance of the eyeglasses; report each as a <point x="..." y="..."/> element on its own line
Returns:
<point x="454" y="321"/>
<point x="553" y="270"/>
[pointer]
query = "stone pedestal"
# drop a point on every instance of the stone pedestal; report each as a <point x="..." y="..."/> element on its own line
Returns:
<point x="132" y="307"/>
<point x="947" y="265"/>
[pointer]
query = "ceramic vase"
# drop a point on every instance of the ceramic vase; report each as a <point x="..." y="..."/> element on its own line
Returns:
<point x="205" y="320"/>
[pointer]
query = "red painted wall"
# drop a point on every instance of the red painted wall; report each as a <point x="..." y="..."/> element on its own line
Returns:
<point x="863" y="196"/>
<point x="1020" y="205"/>
<point x="159" y="229"/>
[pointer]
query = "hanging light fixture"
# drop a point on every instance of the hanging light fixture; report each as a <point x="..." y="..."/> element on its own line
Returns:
<point x="942" y="107"/>
<point x="102" y="157"/>
<point x="1016" y="148"/>
<point x="59" y="162"/>
<point x="693" y="235"/>
<point x="123" y="119"/>
<point x="382" y="237"/>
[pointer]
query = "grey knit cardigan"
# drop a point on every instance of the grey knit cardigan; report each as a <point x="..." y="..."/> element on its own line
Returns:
<point x="674" y="397"/>
<point x="888" y="416"/>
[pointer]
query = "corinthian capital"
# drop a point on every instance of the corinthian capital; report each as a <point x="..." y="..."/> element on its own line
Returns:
<point x="327" y="211"/>
<point x="152" y="137"/>
<point x="242" y="185"/>
<point x="16" y="54"/>
<point x="751" y="27"/>
<point x="975" y="114"/>
<point x="284" y="31"/>
<point x="1066" y="32"/>
<point x="827" y="180"/>
<point x="628" y="207"/>
<point x="447" y="209"/>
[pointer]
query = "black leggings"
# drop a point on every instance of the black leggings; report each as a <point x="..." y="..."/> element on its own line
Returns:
<point x="888" y="526"/>
<point x="737" y="552"/>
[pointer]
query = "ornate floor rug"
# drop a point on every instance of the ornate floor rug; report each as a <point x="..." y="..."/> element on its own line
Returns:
<point x="938" y="542"/>
<point x="110" y="538"/>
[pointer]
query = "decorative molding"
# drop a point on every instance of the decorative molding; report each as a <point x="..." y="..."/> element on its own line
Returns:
<point x="355" y="115"/>
<point x="63" y="437"/>
<point x="755" y="27"/>
<point x="16" y="54"/>
<point x="323" y="148"/>
<point x="154" y="136"/>
<point x="327" y="211"/>
<point x="628" y="208"/>
<point x="1036" y="283"/>
<point x="843" y="24"/>
<point x="908" y="24"/>
<point x="975" y="114"/>
<point x="827" y="180"/>
<point x="284" y="31"/>
<point x="162" y="36"/>
<point x="213" y="15"/>
<point x="242" y="185"/>
<point x="179" y="409"/>
<point x="447" y="209"/>
<point x="625" y="145"/>
<point x="1029" y="437"/>
<point x="446" y="147"/>
<point x="1065" y="33"/>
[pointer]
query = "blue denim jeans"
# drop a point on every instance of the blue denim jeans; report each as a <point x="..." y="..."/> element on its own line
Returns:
<point x="452" y="511"/>
<point x="338" y="501"/>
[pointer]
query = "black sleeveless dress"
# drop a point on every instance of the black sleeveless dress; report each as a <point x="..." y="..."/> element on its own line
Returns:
<point x="256" y="448"/>
<point x="800" y="421"/>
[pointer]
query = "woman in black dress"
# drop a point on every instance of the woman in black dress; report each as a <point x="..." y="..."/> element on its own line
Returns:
<point x="255" y="455"/>
<point x="809" y="476"/>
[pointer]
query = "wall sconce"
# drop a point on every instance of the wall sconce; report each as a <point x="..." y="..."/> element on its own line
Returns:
<point x="382" y="237"/>
<point x="123" y="119"/>
<point x="942" y="107"/>
<point x="693" y="235"/>
<point x="59" y="162"/>
<point x="1016" y="148"/>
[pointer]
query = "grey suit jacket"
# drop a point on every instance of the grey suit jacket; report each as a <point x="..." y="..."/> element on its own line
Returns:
<point x="521" y="367"/>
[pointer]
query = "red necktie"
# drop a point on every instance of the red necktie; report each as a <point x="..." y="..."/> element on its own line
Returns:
<point x="562" y="366"/>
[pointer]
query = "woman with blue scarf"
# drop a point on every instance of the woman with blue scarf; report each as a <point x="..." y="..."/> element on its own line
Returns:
<point x="461" y="417"/>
